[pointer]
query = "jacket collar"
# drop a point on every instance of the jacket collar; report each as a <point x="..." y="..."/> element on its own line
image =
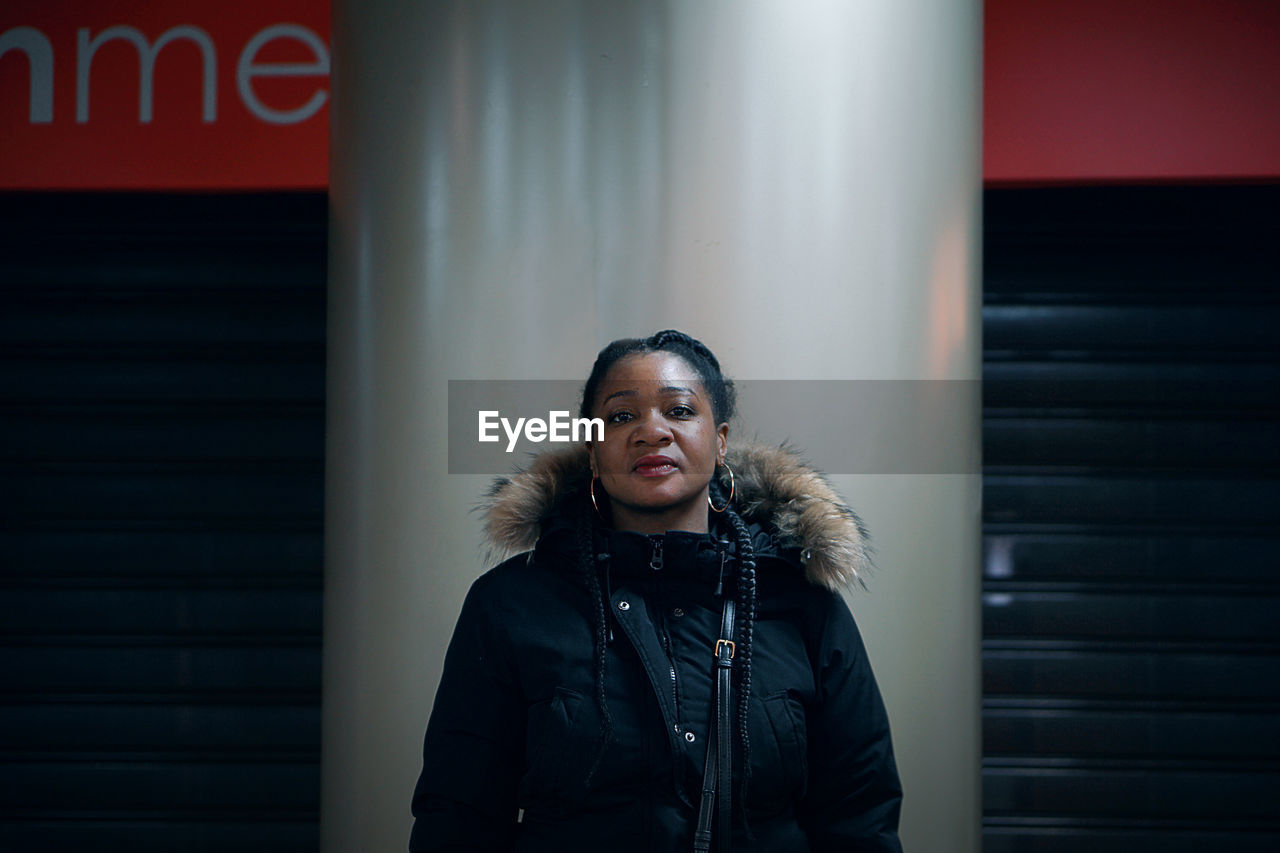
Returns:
<point x="789" y="505"/>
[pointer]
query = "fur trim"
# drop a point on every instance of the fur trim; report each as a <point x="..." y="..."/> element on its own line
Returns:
<point x="774" y="487"/>
<point x="515" y="507"/>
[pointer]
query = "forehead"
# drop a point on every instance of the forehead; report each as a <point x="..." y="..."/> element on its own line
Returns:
<point x="651" y="371"/>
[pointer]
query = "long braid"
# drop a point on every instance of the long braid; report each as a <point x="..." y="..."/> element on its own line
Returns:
<point x="746" y="633"/>
<point x="587" y="561"/>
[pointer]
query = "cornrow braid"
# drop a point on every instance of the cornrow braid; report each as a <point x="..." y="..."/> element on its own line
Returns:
<point x="719" y="387"/>
<point x="587" y="560"/>
<point x="672" y="339"/>
<point x="746" y="633"/>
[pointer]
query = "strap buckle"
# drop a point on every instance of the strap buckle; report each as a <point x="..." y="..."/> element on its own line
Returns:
<point x="732" y="647"/>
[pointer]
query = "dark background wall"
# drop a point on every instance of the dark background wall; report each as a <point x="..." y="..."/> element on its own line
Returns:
<point x="161" y="492"/>
<point x="1131" y="499"/>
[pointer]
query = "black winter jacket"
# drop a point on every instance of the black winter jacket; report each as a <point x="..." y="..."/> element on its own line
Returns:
<point x="516" y="726"/>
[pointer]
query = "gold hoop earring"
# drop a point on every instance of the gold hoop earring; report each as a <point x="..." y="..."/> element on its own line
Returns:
<point x="732" y="486"/>
<point x="593" y="497"/>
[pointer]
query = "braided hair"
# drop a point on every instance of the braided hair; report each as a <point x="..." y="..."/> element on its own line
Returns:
<point x="746" y="605"/>
<point x="587" y="557"/>
<point x="723" y="399"/>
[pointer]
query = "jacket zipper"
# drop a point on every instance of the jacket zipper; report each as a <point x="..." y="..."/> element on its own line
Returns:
<point x="671" y="668"/>
<point x="655" y="563"/>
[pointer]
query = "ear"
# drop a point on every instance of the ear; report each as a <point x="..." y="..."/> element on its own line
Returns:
<point x="722" y="442"/>
<point x="591" y="458"/>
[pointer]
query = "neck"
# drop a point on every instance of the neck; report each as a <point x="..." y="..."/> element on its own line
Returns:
<point x="692" y="518"/>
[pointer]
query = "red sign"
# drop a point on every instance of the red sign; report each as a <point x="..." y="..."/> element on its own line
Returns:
<point x="102" y="94"/>
<point x="105" y="94"/>
<point x="1091" y="91"/>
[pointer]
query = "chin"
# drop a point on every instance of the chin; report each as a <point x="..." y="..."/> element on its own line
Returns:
<point x="663" y="503"/>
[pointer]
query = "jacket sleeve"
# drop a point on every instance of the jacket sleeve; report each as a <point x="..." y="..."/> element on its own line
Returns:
<point x="853" y="797"/>
<point x="473" y="752"/>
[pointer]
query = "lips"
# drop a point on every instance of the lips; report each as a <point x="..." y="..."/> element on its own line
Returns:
<point x="654" y="466"/>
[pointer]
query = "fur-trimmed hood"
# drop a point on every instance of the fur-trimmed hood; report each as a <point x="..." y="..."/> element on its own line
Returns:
<point x="774" y="489"/>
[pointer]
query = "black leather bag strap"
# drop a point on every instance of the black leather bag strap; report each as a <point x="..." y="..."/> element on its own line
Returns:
<point x="717" y="771"/>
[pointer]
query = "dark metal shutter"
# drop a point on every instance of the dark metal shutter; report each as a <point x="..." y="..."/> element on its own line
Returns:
<point x="162" y="389"/>
<point x="1131" y="500"/>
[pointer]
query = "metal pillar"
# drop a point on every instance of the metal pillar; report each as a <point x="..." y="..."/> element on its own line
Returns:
<point x="515" y="184"/>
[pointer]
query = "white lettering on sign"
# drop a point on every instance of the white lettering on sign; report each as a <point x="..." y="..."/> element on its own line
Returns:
<point x="247" y="69"/>
<point x="35" y="45"/>
<point x="39" y="53"/>
<point x="86" y="48"/>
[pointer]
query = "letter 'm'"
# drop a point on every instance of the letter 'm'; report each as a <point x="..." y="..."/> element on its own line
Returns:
<point x="86" y="48"/>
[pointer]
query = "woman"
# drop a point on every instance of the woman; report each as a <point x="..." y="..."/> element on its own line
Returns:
<point x="581" y="706"/>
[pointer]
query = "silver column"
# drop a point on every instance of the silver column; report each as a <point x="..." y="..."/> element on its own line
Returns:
<point x="514" y="184"/>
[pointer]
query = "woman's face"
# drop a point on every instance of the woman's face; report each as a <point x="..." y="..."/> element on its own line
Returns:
<point x="661" y="443"/>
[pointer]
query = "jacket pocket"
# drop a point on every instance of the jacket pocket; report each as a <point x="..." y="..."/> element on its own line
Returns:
<point x="779" y="763"/>
<point x="549" y="746"/>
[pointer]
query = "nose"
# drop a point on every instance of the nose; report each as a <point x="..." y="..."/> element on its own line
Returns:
<point x="652" y="429"/>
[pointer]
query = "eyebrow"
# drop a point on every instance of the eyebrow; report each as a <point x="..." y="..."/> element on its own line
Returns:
<point x="666" y="389"/>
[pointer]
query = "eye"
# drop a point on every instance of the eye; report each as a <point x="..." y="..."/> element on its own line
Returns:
<point x="619" y="417"/>
<point x="681" y="411"/>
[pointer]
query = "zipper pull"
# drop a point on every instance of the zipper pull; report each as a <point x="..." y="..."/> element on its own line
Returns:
<point x="724" y="555"/>
<point x="655" y="562"/>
